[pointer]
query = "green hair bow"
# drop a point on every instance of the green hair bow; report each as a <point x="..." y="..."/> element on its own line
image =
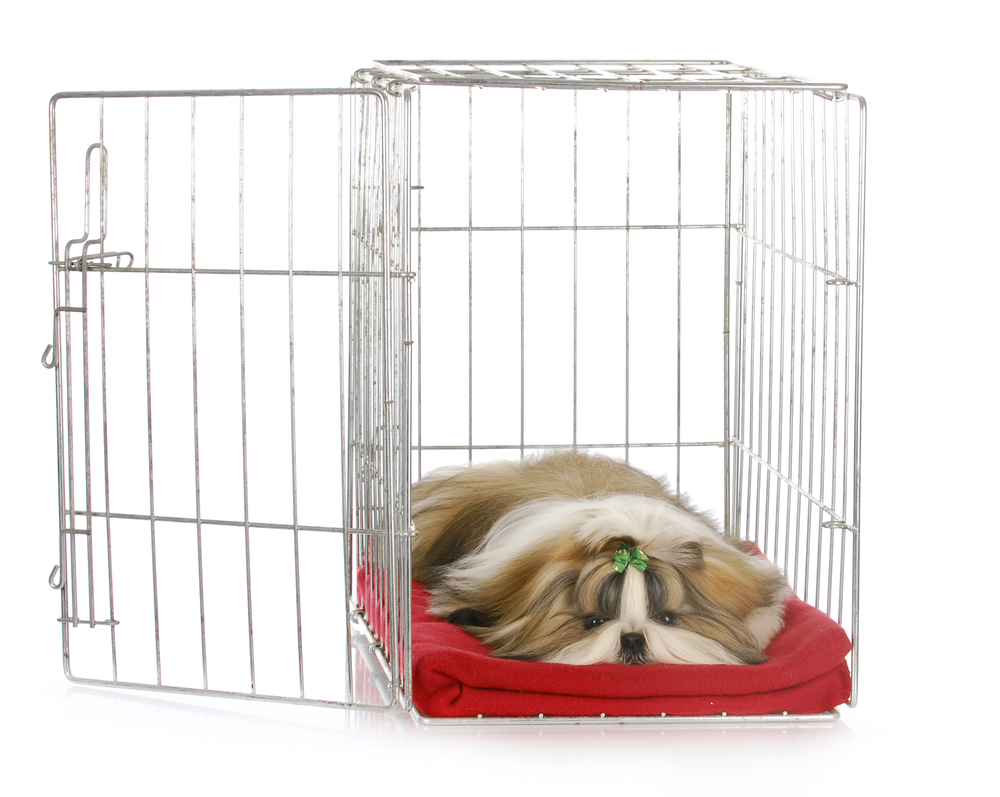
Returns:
<point x="624" y="557"/>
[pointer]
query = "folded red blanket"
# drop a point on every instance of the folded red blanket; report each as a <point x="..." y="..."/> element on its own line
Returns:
<point x="454" y="676"/>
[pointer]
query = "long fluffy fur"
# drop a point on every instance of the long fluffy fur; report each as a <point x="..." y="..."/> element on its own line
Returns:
<point x="521" y="553"/>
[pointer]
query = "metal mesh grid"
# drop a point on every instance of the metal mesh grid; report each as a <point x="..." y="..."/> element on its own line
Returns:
<point x="797" y="316"/>
<point x="558" y="244"/>
<point x="763" y="230"/>
<point x="629" y="75"/>
<point x="215" y="504"/>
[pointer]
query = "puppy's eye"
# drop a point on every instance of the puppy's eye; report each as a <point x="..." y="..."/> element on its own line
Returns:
<point x="593" y="622"/>
<point x="667" y="618"/>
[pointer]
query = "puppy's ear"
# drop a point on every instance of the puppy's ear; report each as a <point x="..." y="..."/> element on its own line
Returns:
<point x="688" y="555"/>
<point x="747" y="546"/>
<point x="734" y="581"/>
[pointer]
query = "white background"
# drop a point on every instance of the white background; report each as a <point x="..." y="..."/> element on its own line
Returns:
<point x="928" y="680"/>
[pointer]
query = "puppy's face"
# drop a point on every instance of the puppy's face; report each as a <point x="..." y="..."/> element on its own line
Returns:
<point x="615" y="581"/>
<point x="676" y="610"/>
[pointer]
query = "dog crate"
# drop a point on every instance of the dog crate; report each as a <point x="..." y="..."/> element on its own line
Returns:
<point x="274" y="310"/>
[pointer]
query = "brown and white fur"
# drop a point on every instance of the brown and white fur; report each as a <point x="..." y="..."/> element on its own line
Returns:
<point x="520" y="554"/>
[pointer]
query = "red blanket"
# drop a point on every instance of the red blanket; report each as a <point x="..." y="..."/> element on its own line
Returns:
<point x="454" y="676"/>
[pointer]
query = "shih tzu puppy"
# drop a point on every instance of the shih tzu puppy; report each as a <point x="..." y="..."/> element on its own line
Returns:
<point x="576" y="558"/>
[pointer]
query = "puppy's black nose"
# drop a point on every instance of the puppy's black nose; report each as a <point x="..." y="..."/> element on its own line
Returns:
<point x="633" y="645"/>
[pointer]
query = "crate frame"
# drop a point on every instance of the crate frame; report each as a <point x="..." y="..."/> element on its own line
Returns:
<point x="382" y="269"/>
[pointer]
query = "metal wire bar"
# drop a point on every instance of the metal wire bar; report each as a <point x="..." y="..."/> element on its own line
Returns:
<point x="859" y="270"/>
<point x="789" y="130"/>
<point x="664" y="720"/>
<point x="107" y="481"/>
<point x="757" y="363"/>
<point x="781" y="331"/>
<point x="522" y="229"/>
<point x="353" y="274"/>
<point x="236" y="523"/>
<point x="347" y="546"/>
<point x="836" y="352"/>
<point x="628" y="296"/>
<point x="71" y="470"/>
<point x="813" y="343"/>
<point x="628" y="329"/>
<point x="555" y="446"/>
<point x="243" y="402"/>
<point x="680" y="128"/>
<point x="802" y="176"/>
<point x="471" y="303"/>
<point x="291" y="393"/>
<point x="741" y="325"/>
<point x="764" y="465"/>
<point x="824" y="393"/>
<point x="84" y="283"/>
<point x="420" y="294"/>
<point x="389" y="429"/>
<point x="571" y="227"/>
<point x="279" y="698"/>
<point x="844" y="476"/>
<point x="772" y="173"/>
<point x="403" y="348"/>
<point x="576" y="262"/>
<point x="149" y="402"/>
<point x="726" y="310"/>
<point x="58" y="577"/>
<point x="194" y="387"/>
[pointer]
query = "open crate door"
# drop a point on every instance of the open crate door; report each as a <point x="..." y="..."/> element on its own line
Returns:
<point x="230" y="335"/>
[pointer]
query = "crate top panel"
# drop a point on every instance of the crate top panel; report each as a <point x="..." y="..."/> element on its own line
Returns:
<point x="704" y="75"/>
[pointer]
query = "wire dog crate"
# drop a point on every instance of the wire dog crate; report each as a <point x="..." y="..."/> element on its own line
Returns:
<point x="274" y="310"/>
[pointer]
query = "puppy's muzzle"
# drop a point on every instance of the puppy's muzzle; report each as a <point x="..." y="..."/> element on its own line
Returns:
<point x="633" y="648"/>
